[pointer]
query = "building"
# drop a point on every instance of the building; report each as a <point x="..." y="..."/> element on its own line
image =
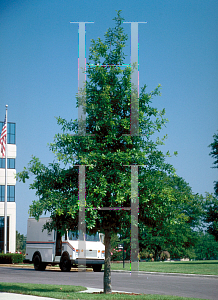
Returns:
<point x="11" y="181"/>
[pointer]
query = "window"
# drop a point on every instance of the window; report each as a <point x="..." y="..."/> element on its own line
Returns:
<point x="2" y="222"/>
<point x="72" y="235"/>
<point x="10" y="193"/>
<point x="10" y="164"/>
<point x="92" y="238"/>
<point x="11" y="132"/>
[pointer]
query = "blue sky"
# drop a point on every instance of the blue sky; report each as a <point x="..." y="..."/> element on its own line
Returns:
<point x="177" y="48"/>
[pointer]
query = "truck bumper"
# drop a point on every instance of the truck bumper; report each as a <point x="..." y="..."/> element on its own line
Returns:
<point x="89" y="261"/>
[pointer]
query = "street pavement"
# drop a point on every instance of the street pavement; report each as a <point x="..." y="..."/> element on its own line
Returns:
<point x="186" y="285"/>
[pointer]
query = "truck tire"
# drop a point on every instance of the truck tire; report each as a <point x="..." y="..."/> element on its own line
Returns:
<point x="38" y="264"/>
<point x="97" y="268"/>
<point x="65" y="263"/>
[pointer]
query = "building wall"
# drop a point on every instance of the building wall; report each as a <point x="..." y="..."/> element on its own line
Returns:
<point x="11" y="213"/>
<point x="11" y="181"/>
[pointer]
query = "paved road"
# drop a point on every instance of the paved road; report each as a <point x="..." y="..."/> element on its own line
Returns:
<point x="198" y="287"/>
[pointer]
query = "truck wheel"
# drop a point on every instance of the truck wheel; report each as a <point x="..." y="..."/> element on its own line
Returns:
<point x="97" y="268"/>
<point x="38" y="264"/>
<point x="65" y="263"/>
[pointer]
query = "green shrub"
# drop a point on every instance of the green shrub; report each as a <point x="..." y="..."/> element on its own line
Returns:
<point x="11" y="258"/>
<point x="145" y="255"/>
<point x="164" y="255"/>
<point x="117" y="254"/>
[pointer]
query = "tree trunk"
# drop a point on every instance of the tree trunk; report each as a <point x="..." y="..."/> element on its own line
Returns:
<point x="58" y="244"/>
<point x="107" y="264"/>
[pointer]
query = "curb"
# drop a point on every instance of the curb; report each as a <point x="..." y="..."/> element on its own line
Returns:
<point x="32" y="267"/>
<point x="94" y="290"/>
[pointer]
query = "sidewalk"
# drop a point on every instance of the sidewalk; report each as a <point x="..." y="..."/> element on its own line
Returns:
<point x="8" y="296"/>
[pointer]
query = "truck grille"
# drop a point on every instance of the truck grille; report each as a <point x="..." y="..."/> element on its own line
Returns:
<point x="89" y="253"/>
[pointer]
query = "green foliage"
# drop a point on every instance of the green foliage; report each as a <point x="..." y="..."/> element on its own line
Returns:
<point x="20" y="243"/>
<point x="168" y="217"/>
<point x="145" y="255"/>
<point x="57" y="190"/>
<point x="169" y="212"/>
<point x="211" y="203"/>
<point x="206" y="247"/>
<point x="116" y="253"/>
<point x="211" y="214"/>
<point x="214" y="149"/>
<point x="11" y="258"/>
<point x="164" y="255"/>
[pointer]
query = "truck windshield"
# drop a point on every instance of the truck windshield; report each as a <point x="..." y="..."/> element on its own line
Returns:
<point x="92" y="238"/>
<point x="72" y="235"/>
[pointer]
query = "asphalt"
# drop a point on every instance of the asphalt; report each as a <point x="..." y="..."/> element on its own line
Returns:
<point x="12" y="296"/>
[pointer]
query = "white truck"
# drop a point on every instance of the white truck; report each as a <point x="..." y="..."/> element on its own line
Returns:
<point x="45" y="248"/>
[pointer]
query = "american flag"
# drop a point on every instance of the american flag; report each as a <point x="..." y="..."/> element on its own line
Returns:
<point x="3" y="138"/>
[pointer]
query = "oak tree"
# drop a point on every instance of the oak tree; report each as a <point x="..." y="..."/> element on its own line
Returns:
<point x="107" y="149"/>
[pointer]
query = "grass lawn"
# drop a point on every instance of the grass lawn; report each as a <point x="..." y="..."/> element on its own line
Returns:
<point x="71" y="292"/>
<point x="205" y="267"/>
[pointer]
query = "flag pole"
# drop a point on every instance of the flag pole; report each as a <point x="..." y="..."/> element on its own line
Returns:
<point x="6" y="160"/>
